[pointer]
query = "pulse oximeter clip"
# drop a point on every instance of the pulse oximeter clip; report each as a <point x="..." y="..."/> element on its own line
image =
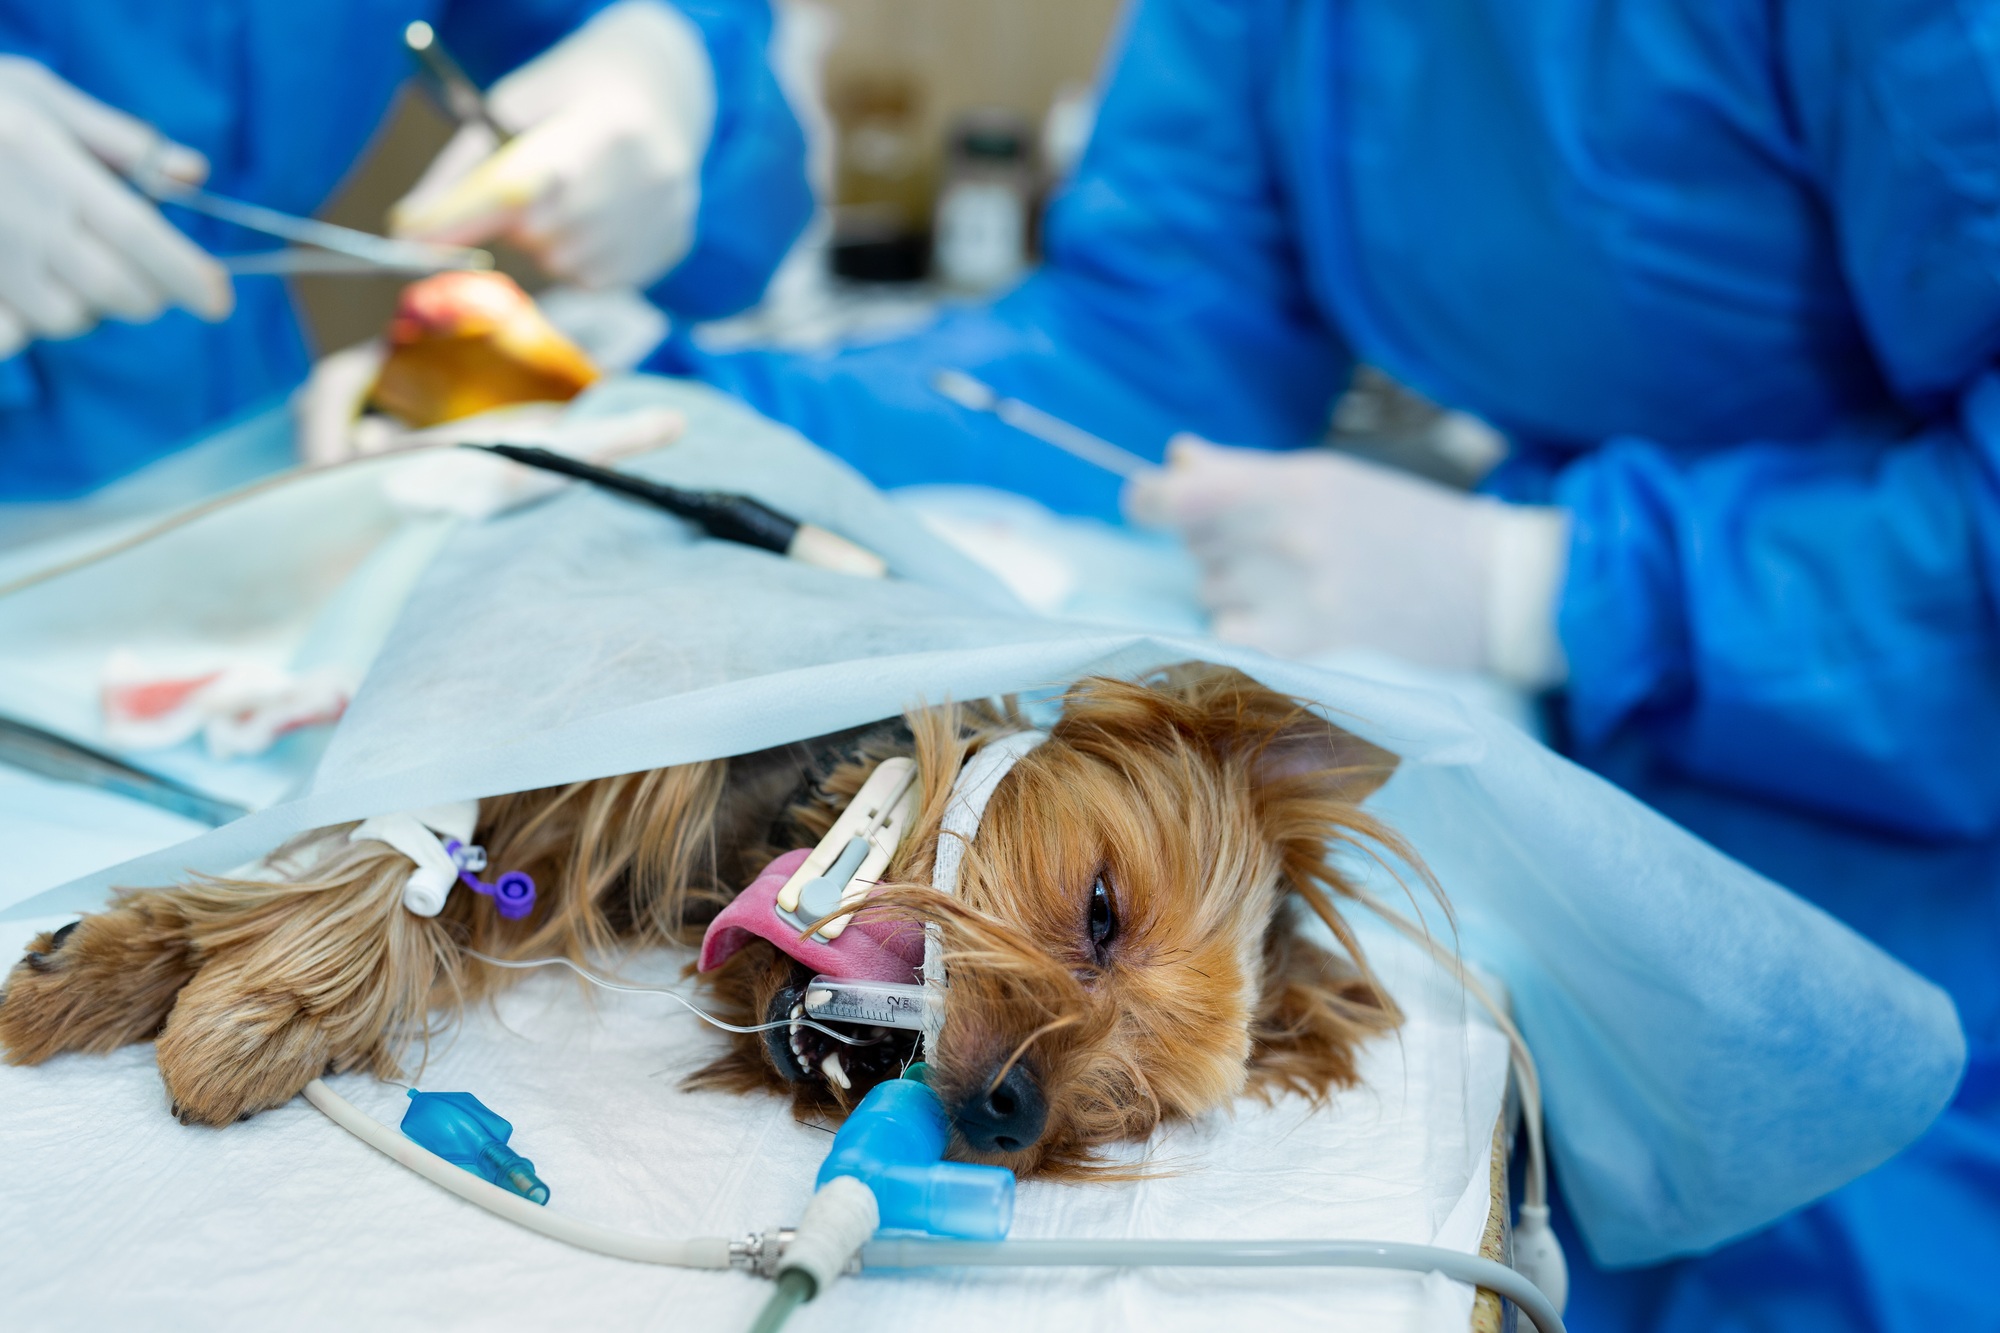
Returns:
<point x="854" y="855"/>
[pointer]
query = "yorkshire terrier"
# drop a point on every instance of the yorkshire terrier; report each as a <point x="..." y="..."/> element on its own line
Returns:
<point x="1125" y="945"/>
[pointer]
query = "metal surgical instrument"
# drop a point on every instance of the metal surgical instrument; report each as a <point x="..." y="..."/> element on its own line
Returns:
<point x="335" y="249"/>
<point x="52" y="756"/>
<point x="460" y="95"/>
<point x="978" y="396"/>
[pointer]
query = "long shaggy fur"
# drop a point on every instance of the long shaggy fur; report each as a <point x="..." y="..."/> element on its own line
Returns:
<point x="1210" y="808"/>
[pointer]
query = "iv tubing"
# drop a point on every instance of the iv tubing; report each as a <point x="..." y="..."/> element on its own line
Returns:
<point x="793" y="1290"/>
<point x="674" y="995"/>
<point x="702" y="1252"/>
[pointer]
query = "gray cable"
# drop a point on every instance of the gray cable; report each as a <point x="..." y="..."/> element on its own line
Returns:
<point x="1078" y="1253"/>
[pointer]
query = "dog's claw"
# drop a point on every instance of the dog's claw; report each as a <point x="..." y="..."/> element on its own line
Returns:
<point x="38" y="959"/>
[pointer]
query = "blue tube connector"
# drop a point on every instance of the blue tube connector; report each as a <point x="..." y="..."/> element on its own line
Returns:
<point x="894" y="1144"/>
<point x="458" y="1127"/>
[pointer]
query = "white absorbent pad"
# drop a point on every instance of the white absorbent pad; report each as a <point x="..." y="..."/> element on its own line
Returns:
<point x="117" y="1216"/>
<point x="1715" y="1052"/>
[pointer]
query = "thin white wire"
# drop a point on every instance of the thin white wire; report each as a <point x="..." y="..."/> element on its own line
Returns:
<point x="1527" y="1076"/>
<point x="676" y="996"/>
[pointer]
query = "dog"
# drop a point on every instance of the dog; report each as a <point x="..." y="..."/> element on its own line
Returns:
<point x="1125" y="945"/>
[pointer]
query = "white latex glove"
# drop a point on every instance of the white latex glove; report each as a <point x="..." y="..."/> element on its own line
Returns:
<point x="603" y="178"/>
<point x="327" y="410"/>
<point x="1312" y="552"/>
<point x="77" y="244"/>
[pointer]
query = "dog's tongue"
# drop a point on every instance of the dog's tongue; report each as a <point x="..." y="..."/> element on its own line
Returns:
<point x="866" y="950"/>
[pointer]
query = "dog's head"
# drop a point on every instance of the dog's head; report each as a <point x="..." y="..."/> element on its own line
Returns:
<point x="1122" y="948"/>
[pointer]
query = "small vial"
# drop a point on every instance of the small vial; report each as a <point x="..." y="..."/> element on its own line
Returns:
<point x="980" y="231"/>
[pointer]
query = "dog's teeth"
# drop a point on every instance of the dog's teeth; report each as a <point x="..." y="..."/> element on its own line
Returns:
<point x="817" y="999"/>
<point x="798" y="1011"/>
<point x="832" y="1069"/>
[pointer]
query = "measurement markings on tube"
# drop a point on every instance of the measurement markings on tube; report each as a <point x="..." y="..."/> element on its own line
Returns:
<point x="885" y="1011"/>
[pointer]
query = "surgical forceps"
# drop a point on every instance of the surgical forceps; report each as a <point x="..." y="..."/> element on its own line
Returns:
<point x="328" y="248"/>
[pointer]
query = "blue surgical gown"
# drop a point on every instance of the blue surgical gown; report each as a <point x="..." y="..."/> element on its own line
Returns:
<point x="1727" y="272"/>
<point x="282" y="96"/>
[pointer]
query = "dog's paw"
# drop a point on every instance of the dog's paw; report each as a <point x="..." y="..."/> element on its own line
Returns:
<point x="96" y="984"/>
<point x="232" y="1047"/>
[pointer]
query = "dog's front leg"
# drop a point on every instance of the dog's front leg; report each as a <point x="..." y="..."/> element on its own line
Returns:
<point x="97" y="984"/>
<point x="253" y="987"/>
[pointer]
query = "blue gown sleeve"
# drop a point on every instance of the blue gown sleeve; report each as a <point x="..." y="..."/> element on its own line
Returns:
<point x="1820" y="622"/>
<point x="754" y="197"/>
<point x="492" y="40"/>
<point x="1170" y="298"/>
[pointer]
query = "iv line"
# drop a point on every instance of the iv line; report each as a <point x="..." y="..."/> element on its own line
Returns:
<point x="676" y="996"/>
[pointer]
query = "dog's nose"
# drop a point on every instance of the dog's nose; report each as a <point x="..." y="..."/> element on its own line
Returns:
<point x="1007" y="1116"/>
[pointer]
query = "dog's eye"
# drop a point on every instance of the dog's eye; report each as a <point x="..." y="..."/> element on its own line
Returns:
<point x="1103" y="917"/>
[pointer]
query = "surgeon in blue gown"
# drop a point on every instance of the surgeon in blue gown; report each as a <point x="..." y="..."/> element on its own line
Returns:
<point x="685" y="177"/>
<point x="1727" y="273"/>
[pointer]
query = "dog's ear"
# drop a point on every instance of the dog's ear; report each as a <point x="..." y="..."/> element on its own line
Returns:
<point x="1307" y="749"/>
<point x="1290" y="750"/>
<point x="1308" y="778"/>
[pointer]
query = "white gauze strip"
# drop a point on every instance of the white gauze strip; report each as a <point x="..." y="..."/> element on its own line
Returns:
<point x="412" y="835"/>
<point x="977" y="782"/>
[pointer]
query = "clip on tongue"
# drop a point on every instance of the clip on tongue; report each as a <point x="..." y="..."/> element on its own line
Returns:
<point x="836" y="876"/>
<point x="872" y="950"/>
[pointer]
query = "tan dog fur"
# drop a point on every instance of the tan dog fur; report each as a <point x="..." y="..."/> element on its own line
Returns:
<point x="1206" y="805"/>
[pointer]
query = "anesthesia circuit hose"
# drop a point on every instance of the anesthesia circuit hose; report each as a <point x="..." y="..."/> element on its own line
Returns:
<point x="715" y="1252"/>
<point x="926" y="1252"/>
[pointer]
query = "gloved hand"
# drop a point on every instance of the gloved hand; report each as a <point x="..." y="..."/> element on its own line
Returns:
<point x="1310" y="552"/>
<point x="76" y="243"/>
<point x="603" y="179"/>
